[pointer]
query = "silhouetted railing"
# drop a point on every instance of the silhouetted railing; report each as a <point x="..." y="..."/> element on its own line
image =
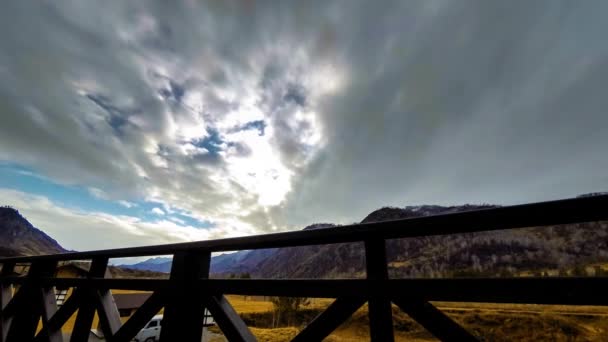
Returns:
<point x="188" y="291"/>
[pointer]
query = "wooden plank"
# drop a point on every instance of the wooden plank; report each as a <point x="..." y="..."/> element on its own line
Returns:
<point x="6" y="295"/>
<point x="49" y="309"/>
<point x="183" y="315"/>
<point x="122" y="284"/>
<point x="330" y="319"/>
<point x="566" y="211"/>
<point x="544" y="290"/>
<point x="228" y="320"/>
<point x="109" y="317"/>
<point x="24" y="316"/>
<point x="433" y="320"/>
<point x="86" y="312"/>
<point x="55" y="323"/>
<point x="28" y="312"/>
<point x="380" y="311"/>
<point x="140" y="318"/>
<point x="6" y="290"/>
<point x="12" y="306"/>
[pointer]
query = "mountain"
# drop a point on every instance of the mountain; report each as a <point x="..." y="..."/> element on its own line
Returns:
<point x="553" y="250"/>
<point x="240" y="262"/>
<point x="225" y="264"/>
<point x="580" y="248"/>
<point x="158" y="264"/>
<point x="562" y="249"/>
<point x="344" y="259"/>
<point x="20" y="237"/>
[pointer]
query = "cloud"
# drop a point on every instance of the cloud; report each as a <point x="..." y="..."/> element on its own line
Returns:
<point x="74" y="229"/>
<point x="259" y="117"/>
<point x="98" y="193"/>
<point x="127" y="204"/>
<point x="259" y="125"/>
<point x="157" y="211"/>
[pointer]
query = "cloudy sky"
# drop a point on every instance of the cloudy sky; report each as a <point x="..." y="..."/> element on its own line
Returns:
<point x="137" y="122"/>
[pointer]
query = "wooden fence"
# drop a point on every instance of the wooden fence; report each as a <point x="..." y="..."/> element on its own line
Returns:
<point x="189" y="290"/>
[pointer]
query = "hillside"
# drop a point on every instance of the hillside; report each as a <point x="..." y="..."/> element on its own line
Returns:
<point x="225" y="264"/>
<point x="565" y="250"/>
<point x="158" y="264"/>
<point x="20" y="237"/>
<point x="568" y="249"/>
<point x="343" y="260"/>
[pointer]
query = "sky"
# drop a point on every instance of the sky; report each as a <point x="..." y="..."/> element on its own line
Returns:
<point x="146" y="122"/>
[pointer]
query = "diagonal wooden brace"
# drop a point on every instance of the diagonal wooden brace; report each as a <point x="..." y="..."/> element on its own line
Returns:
<point x="433" y="320"/>
<point x="330" y="319"/>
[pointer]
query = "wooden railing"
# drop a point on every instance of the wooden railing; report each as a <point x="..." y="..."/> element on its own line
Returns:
<point x="189" y="290"/>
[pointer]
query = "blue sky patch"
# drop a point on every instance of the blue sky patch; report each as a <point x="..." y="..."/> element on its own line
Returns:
<point x="26" y="180"/>
<point x="212" y="142"/>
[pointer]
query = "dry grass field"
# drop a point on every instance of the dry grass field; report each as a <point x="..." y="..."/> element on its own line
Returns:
<point x="492" y="322"/>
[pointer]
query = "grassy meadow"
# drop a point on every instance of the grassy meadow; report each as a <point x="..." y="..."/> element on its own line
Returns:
<point x="490" y="322"/>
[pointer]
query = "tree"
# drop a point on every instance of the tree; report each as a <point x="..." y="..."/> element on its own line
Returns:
<point x="579" y="271"/>
<point x="285" y="309"/>
<point x="599" y="271"/>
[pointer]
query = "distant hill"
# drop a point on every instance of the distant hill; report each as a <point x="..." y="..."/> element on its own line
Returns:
<point x="567" y="249"/>
<point x="158" y="264"/>
<point x="225" y="264"/>
<point x="548" y="250"/>
<point x="19" y="237"/>
<point x="345" y="259"/>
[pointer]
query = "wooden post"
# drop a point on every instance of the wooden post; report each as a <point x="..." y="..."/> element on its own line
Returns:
<point x="6" y="294"/>
<point x="53" y="325"/>
<point x="109" y="317"/>
<point x="380" y="311"/>
<point x="183" y="316"/>
<point x="49" y="309"/>
<point x="86" y="311"/>
<point x="29" y="310"/>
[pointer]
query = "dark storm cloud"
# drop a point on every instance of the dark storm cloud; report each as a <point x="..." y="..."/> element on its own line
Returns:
<point x="366" y="104"/>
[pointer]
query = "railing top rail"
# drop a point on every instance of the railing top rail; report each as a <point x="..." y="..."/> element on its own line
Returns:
<point x="576" y="210"/>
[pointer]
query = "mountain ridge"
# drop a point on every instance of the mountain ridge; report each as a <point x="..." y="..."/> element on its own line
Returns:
<point x="534" y="250"/>
<point x="21" y="238"/>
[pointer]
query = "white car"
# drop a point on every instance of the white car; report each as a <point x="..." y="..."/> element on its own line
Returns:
<point x="151" y="332"/>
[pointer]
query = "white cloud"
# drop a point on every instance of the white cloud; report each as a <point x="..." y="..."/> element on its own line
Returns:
<point x="127" y="204"/>
<point x="362" y="105"/>
<point x="98" y="193"/>
<point x="79" y="230"/>
<point x="157" y="211"/>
